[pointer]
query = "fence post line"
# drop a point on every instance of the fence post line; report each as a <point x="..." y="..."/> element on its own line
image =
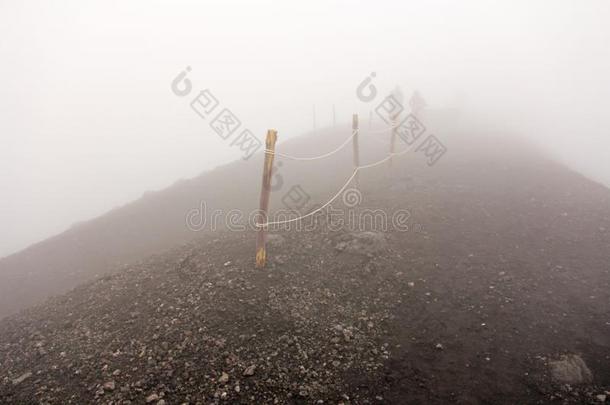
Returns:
<point x="393" y="140"/>
<point x="261" y="253"/>
<point x="356" y="150"/>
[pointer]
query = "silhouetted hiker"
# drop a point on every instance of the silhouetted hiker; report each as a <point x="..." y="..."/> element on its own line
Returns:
<point x="417" y="103"/>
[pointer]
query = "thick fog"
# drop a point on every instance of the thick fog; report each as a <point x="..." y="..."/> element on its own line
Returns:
<point x="89" y="120"/>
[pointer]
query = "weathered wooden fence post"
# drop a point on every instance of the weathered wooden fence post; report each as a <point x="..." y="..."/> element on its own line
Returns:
<point x="334" y="117"/>
<point x="261" y="253"/>
<point x="393" y="140"/>
<point x="355" y="144"/>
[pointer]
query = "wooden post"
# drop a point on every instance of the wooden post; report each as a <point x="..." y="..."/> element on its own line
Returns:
<point x="261" y="253"/>
<point x="393" y="140"/>
<point x="355" y="144"/>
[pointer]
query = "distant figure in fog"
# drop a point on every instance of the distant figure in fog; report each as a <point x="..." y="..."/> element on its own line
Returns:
<point x="417" y="103"/>
<point x="399" y="97"/>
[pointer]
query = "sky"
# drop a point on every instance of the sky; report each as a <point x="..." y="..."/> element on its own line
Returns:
<point x="89" y="120"/>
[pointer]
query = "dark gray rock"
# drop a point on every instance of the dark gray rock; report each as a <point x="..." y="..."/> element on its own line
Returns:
<point x="570" y="369"/>
<point x="366" y="243"/>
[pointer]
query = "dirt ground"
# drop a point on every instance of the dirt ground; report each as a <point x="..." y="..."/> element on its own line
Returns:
<point x="504" y="269"/>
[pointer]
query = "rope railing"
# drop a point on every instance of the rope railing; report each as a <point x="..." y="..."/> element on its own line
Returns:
<point x="315" y="157"/>
<point x="270" y="154"/>
<point x="351" y="177"/>
<point x="325" y="155"/>
<point x="382" y="131"/>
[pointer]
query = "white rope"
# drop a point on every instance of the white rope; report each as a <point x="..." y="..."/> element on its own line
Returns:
<point x="354" y="132"/>
<point x="380" y="141"/>
<point x="265" y="225"/>
<point x="379" y="162"/>
<point x="382" y="131"/>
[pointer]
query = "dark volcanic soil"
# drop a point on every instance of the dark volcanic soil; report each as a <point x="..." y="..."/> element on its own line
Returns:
<point x="505" y="268"/>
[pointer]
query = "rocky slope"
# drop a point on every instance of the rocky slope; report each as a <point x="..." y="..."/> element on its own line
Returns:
<point x="497" y="293"/>
<point x="156" y="222"/>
